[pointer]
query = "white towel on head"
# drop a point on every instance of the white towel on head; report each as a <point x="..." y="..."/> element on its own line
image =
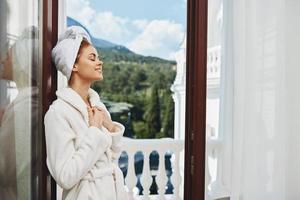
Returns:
<point x="65" y="51"/>
<point x="25" y="57"/>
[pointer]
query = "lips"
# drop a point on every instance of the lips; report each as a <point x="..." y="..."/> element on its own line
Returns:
<point x="99" y="69"/>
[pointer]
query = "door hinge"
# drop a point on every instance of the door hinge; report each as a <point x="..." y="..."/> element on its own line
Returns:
<point x="192" y="165"/>
<point x="192" y="136"/>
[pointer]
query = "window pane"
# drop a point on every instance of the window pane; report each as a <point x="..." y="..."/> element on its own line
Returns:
<point x="18" y="95"/>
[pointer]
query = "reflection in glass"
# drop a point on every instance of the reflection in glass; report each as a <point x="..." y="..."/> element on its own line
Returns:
<point x="18" y="96"/>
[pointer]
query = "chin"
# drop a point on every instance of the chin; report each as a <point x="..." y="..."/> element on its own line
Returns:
<point x="100" y="78"/>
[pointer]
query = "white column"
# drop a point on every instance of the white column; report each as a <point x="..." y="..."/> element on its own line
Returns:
<point x="178" y="88"/>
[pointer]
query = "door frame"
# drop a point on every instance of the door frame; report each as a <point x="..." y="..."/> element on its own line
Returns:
<point x="46" y="187"/>
<point x="196" y="70"/>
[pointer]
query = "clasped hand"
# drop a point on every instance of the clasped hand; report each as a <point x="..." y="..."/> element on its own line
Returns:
<point x="99" y="117"/>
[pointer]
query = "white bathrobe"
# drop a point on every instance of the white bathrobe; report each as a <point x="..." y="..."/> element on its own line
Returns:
<point x="18" y="124"/>
<point x="82" y="159"/>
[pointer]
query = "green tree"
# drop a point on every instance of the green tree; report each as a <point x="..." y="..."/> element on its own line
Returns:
<point x="140" y="129"/>
<point x="168" y="121"/>
<point x="152" y="115"/>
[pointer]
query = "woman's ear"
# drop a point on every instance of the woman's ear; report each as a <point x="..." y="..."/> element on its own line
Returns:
<point x="75" y="68"/>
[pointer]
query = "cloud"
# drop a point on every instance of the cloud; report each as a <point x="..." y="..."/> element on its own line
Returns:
<point x="140" y="23"/>
<point x="79" y="8"/>
<point x="156" y="38"/>
<point x="159" y="38"/>
<point x="110" y="27"/>
<point x="104" y="25"/>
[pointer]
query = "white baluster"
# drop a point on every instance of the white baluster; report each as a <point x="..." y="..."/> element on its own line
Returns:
<point x="146" y="179"/>
<point x="161" y="178"/>
<point x="131" y="178"/>
<point x="146" y="146"/>
<point x="176" y="178"/>
<point x="207" y="172"/>
<point x="217" y="188"/>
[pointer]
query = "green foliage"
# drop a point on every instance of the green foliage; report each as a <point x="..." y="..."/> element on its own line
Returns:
<point x="140" y="129"/>
<point x="160" y="135"/>
<point x="152" y="115"/>
<point x="130" y="78"/>
<point x="121" y="54"/>
<point x="168" y="120"/>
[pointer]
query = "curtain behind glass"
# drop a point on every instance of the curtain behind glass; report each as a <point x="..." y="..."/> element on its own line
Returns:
<point x="263" y="47"/>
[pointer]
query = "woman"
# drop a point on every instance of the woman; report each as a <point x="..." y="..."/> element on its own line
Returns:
<point x="82" y="141"/>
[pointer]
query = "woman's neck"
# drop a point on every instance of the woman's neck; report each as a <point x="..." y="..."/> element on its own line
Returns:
<point x="82" y="89"/>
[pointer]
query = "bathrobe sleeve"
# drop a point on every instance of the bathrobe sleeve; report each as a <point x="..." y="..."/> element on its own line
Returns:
<point x="66" y="163"/>
<point x="117" y="136"/>
<point x="116" y="146"/>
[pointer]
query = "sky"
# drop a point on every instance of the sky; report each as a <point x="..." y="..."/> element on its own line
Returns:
<point x="147" y="27"/>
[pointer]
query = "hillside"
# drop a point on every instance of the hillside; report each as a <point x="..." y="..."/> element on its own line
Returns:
<point x="111" y="52"/>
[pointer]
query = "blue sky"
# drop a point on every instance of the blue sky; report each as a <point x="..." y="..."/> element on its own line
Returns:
<point x="147" y="9"/>
<point x="148" y="27"/>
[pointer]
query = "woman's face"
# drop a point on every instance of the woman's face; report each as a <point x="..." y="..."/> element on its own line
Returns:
<point x="88" y="66"/>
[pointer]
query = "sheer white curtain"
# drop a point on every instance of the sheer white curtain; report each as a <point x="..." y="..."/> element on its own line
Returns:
<point x="262" y="53"/>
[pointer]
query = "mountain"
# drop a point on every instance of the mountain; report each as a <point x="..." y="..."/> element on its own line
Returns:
<point x="117" y="53"/>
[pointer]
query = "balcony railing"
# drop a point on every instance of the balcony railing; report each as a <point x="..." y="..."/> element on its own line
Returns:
<point x="214" y="166"/>
<point x="213" y="62"/>
<point x="162" y="147"/>
<point x="213" y="69"/>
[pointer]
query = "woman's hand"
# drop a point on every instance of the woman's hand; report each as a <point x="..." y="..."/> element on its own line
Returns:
<point x="96" y="117"/>
<point x="107" y="122"/>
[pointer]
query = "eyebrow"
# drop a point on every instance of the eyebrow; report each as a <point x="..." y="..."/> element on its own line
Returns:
<point x="92" y="54"/>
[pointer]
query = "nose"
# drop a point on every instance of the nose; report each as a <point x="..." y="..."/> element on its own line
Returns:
<point x="100" y="63"/>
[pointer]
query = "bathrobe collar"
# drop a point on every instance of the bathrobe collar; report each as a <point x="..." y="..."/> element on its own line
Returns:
<point x="71" y="97"/>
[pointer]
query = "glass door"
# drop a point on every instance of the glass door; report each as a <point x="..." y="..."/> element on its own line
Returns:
<point x="20" y="119"/>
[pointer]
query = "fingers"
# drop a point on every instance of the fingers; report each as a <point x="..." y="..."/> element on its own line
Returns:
<point x="91" y="116"/>
<point x="90" y="111"/>
<point x="99" y="109"/>
<point x="107" y="122"/>
<point x="96" y="116"/>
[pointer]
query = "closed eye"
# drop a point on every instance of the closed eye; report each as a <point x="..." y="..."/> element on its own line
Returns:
<point x="92" y="56"/>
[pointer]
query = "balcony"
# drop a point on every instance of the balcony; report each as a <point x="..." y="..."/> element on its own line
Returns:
<point x="164" y="176"/>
